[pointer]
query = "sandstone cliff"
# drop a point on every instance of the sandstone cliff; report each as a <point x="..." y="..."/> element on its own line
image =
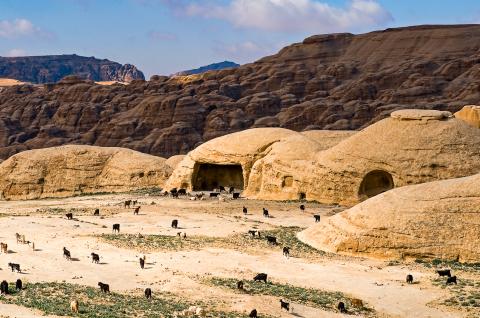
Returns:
<point x="337" y="81"/>
<point x="51" y="68"/>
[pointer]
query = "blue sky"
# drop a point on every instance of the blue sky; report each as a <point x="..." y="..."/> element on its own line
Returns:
<point x="166" y="36"/>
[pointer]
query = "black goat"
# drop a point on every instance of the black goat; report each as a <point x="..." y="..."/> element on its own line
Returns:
<point x="95" y="258"/>
<point x="96" y="213"/>
<point x="104" y="287"/>
<point x="253" y="314"/>
<point x="444" y="272"/>
<point x="148" y="293"/>
<point x="262" y="277"/>
<point x="452" y="280"/>
<point x="317" y="218"/>
<point x="271" y="240"/>
<point x="284" y="305"/>
<point x="116" y="228"/>
<point x="14" y="267"/>
<point x="4" y="287"/>
<point x="18" y="284"/>
<point x="245" y="211"/>
<point x="175" y="224"/>
<point x="341" y="307"/>
<point x="265" y="213"/>
<point x="409" y="279"/>
<point x="66" y="254"/>
<point x="69" y="216"/>
<point x="286" y="251"/>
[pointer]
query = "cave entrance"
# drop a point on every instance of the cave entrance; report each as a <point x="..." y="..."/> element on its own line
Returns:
<point x="375" y="182"/>
<point x="210" y="176"/>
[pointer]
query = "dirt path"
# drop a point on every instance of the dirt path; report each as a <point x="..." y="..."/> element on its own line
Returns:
<point x="180" y="272"/>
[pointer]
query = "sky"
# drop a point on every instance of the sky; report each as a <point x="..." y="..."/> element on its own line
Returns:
<point x="167" y="36"/>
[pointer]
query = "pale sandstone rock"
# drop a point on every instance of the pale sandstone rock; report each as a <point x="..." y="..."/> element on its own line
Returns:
<point x="173" y="161"/>
<point x="470" y="114"/>
<point x="74" y="169"/>
<point x="439" y="219"/>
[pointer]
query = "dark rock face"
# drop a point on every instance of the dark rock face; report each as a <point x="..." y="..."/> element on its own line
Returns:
<point x="338" y="81"/>
<point x="210" y="67"/>
<point x="51" y="68"/>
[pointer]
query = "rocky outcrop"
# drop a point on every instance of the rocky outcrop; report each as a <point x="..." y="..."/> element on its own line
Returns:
<point x="470" y="114"/>
<point x="76" y="170"/>
<point x="210" y="67"/>
<point x="51" y="68"/>
<point x="433" y="220"/>
<point x="334" y="82"/>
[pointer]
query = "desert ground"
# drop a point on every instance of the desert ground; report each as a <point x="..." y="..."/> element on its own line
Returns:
<point x="202" y="268"/>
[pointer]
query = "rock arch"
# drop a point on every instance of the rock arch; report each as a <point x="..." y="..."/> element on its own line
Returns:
<point x="374" y="183"/>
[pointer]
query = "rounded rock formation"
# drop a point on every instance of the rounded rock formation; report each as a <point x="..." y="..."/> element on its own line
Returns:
<point x="470" y="114"/>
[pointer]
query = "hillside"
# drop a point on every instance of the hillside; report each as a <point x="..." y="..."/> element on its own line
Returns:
<point x="210" y="67"/>
<point x="51" y="68"/>
<point x="336" y="81"/>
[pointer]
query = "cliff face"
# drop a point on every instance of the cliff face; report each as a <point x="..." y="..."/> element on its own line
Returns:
<point x="338" y="81"/>
<point x="51" y="68"/>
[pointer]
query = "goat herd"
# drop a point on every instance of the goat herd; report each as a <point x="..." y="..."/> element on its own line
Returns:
<point x="193" y="310"/>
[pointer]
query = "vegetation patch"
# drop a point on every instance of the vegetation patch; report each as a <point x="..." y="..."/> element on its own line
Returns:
<point x="307" y="296"/>
<point x="54" y="299"/>
<point x="454" y="265"/>
<point x="286" y="236"/>
<point x="465" y="295"/>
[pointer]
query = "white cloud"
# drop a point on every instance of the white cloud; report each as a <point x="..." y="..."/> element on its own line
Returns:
<point x="16" y="52"/>
<point x="243" y="52"/>
<point x="294" y="15"/>
<point x="17" y="27"/>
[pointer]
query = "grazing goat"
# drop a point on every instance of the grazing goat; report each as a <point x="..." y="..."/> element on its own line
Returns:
<point x="240" y="285"/>
<point x="142" y="263"/>
<point x="69" y="216"/>
<point x="127" y="203"/>
<point x="444" y="272"/>
<point x="148" y="293"/>
<point x="231" y="190"/>
<point x="4" y="248"/>
<point x="66" y="254"/>
<point x="134" y="202"/>
<point x="14" y="267"/>
<point x="199" y="196"/>
<point x="265" y="213"/>
<point x="452" y="280"/>
<point x="262" y="277"/>
<point x="317" y="218"/>
<point x="182" y="192"/>
<point x="221" y="188"/>
<point x="236" y="195"/>
<point x="137" y="209"/>
<point x="271" y="240"/>
<point x="214" y="194"/>
<point x="286" y="251"/>
<point x="18" y="284"/>
<point x="95" y="258"/>
<point x="409" y="279"/>
<point x="96" y="213"/>
<point x="74" y="306"/>
<point x="253" y="314"/>
<point x="116" y="227"/>
<point x="175" y="224"/>
<point x="358" y="303"/>
<point x="4" y="287"/>
<point x="302" y="207"/>
<point x="245" y="211"/>
<point x="18" y="237"/>
<point x="104" y="287"/>
<point x="284" y="305"/>
<point x="341" y="307"/>
<point x="252" y="232"/>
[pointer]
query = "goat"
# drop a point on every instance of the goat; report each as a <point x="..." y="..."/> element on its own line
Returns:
<point x="221" y="188"/>
<point x="253" y="314"/>
<point x="236" y="195"/>
<point x="69" y="216"/>
<point x="184" y="235"/>
<point x="265" y="213"/>
<point x="137" y="209"/>
<point x="286" y="251"/>
<point x="271" y="240"/>
<point x="261" y="277"/>
<point x="214" y="194"/>
<point x="127" y="203"/>
<point x="148" y="293"/>
<point x="452" y="280"/>
<point x="409" y="279"/>
<point x="142" y="263"/>
<point x="96" y="213"/>
<point x="357" y="302"/>
<point x="240" y="285"/>
<point x="231" y="190"/>
<point x="175" y="224"/>
<point x="4" y="248"/>
<point x="66" y="254"/>
<point x="18" y="284"/>
<point x="74" y="306"/>
<point x="341" y="307"/>
<point x="95" y="258"/>
<point x="245" y="211"/>
<point x="4" y="287"/>
<point x="104" y="287"/>
<point x="116" y="227"/>
<point x="199" y="196"/>
<point x="252" y="232"/>
<point x="182" y="192"/>
<point x="18" y="237"/>
<point x="317" y="218"/>
<point x="14" y="267"/>
<point x="444" y="272"/>
<point x="302" y="207"/>
<point x="284" y="305"/>
<point x="134" y="202"/>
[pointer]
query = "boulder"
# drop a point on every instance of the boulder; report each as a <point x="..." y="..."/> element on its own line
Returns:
<point x="470" y="114"/>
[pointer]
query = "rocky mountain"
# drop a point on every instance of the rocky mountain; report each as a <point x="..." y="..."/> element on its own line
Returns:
<point x="210" y="67"/>
<point x="334" y="81"/>
<point x="52" y="68"/>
